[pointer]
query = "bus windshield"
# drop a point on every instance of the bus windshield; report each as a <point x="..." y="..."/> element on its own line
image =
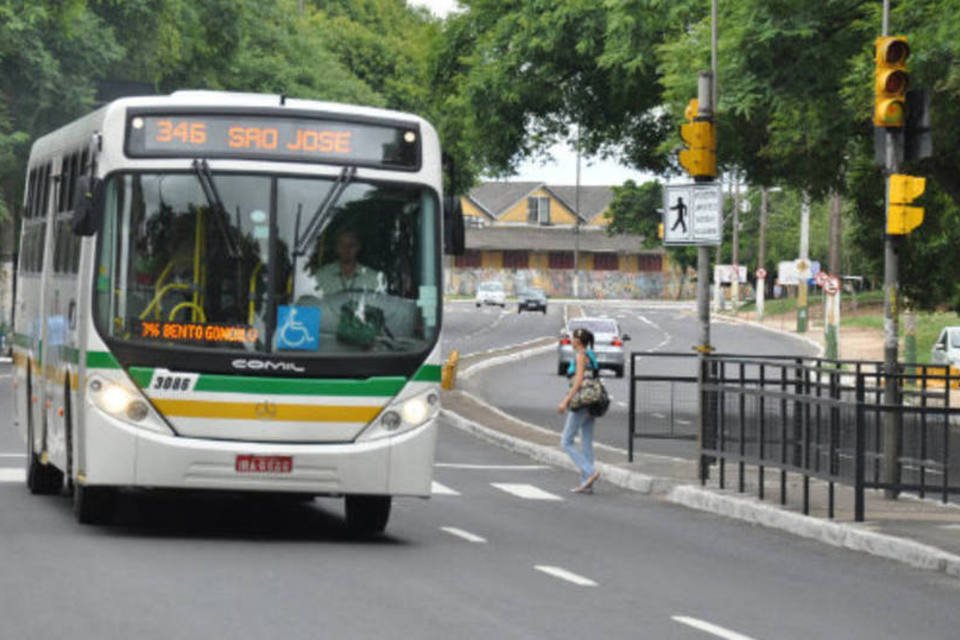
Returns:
<point x="302" y="266"/>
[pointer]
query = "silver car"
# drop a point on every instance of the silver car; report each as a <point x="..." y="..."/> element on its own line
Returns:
<point x="946" y="350"/>
<point x="608" y="344"/>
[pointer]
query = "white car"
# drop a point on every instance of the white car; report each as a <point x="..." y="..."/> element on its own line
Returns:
<point x="491" y="292"/>
<point x="946" y="350"/>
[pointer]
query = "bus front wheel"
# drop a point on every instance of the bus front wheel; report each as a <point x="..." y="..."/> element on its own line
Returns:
<point x="367" y="515"/>
<point x="93" y="505"/>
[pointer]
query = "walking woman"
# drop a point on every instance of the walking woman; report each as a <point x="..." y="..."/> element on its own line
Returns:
<point x="580" y="420"/>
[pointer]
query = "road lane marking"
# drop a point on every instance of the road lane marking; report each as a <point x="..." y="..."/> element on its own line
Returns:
<point x="679" y="421"/>
<point x="13" y="475"/>
<point x="659" y="415"/>
<point x="526" y="491"/>
<point x="950" y="526"/>
<point x="438" y="489"/>
<point x="563" y="574"/>
<point x="621" y="403"/>
<point x="13" y="455"/>
<point x="492" y="467"/>
<point x="712" y="629"/>
<point x="466" y="535"/>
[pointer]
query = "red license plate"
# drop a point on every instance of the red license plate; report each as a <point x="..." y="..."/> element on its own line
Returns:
<point x="264" y="464"/>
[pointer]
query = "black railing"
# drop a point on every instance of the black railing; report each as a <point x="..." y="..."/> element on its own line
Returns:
<point x="821" y="419"/>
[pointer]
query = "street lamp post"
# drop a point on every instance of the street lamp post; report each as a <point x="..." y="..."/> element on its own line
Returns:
<point x="576" y="226"/>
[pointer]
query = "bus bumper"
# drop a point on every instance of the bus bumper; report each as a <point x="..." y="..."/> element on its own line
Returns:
<point x="397" y="465"/>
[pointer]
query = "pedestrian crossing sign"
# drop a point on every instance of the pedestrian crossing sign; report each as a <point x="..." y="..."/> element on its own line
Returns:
<point x="692" y="214"/>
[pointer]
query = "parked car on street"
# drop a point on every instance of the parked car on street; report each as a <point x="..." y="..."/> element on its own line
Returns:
<point x="491" y="292"/>
<point x="946" y="350"/>
<point x="608" y="344"/>
<point x="532" y="299"/>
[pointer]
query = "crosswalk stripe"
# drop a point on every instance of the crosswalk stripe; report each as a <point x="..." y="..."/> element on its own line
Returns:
<point x="13" y="475"/>
<point x="465" y="535"/>
<point x="526" y="491"/>
<point x="712" y="629"/>
<point x="438" y="489"/>
<point x="492" y="467"/>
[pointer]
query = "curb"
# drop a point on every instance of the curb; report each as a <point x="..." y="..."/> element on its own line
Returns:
<point x="915" y="554"/>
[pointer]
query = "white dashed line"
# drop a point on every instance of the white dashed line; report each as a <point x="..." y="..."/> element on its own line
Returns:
<point x="13" y="475"/>
<point x="950" y="526"/>
<point x="13" y="455"/>
<point x="679" y="421"/>
<point x="438" y="489"/>
<point x="492" y="467"/>
<point x="563" y="574"/>
<point x="658" y="415"/>
<point x="465" y="535"/>
<point x="622" y="404"/>
<point x="712" y="629"/>
<point x="525" y="491"/>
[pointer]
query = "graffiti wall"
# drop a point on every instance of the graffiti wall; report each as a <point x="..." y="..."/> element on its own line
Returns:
<point x="558" y="283"/>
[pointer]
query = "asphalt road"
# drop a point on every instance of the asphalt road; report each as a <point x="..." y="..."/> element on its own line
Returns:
<point x="530" y="389"/>
<point x="502" y="551"/>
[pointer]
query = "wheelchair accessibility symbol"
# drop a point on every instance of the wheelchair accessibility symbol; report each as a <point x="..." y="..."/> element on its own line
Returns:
<point x="298" y="328"/>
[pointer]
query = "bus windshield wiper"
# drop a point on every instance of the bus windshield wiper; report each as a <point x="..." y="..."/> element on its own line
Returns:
<point x="210" y="192"/>
<point x="321" y="218"/>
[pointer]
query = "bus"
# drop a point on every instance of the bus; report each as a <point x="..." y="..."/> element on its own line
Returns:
<point x="232" y="292"/>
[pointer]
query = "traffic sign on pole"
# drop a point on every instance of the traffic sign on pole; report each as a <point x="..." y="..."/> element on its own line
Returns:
<point x="692" y="214"/>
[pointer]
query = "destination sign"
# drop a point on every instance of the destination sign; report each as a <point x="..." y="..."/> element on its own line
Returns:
<point x="194" y="332"/>
<point x="295" y="139"/>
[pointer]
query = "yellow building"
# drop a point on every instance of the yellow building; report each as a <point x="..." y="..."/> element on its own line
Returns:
<point x="526" y="234"/>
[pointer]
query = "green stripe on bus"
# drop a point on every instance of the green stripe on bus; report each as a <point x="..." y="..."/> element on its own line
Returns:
<point x="428" y="373"/>
<point x="141" y="376"/>
<point x="101" y="360"/>
<point x="385" y="386"/>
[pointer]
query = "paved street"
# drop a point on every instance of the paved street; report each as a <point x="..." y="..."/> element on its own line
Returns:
<point x="530" y="389"/>
<point x="503" y="550"/>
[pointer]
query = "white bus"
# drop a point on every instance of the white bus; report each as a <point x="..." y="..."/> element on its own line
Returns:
<point x="236" y="292"/>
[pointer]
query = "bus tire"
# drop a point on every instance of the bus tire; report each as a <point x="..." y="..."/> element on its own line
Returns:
<point x="93" y="505"/>
<point x="367" y="515"/>
<point x="42" y="479"/>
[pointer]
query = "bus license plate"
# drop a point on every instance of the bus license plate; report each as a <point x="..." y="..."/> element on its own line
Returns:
<point x="264" y="464"/>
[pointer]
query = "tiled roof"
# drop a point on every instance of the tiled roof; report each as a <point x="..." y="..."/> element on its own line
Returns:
<point x="497" y="197"/>
<point x="593" y="199"/>
<point x="530" y="238"/>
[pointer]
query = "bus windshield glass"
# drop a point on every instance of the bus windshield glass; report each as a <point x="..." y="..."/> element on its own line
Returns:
<point x="300" y="266"/>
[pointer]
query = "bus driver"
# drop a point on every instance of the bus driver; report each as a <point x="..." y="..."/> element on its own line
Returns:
<point x="345" y="273"/>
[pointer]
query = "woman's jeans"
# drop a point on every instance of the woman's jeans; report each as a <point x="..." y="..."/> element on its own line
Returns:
<point x="579" y="420"/>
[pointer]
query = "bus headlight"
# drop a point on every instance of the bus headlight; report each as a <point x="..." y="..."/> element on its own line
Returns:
<point x="403" y="415"/>
<point x="119" y="401"/>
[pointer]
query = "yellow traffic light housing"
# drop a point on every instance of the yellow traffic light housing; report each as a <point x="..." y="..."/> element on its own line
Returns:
<point x="891" y="81"/>
<point x="700" y="156"/>
<point x="904" y="189"/>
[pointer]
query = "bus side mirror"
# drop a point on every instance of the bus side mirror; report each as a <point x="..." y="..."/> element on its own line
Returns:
<point x="88" y="211"/>
<point x="454" y="242"/>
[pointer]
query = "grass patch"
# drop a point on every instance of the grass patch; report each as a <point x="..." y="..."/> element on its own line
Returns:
<point x="929" y="325"/>
<point x="774" y="307"/>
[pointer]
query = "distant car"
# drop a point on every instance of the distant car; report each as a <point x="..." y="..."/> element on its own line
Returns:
<point x="608" y="344"/>
<point x="946" y="350"/>
<point x="532" y="299"/>
<point x="491" y="292"/>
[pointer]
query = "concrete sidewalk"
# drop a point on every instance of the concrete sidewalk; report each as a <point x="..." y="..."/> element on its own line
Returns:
<point x="921" y="533"/>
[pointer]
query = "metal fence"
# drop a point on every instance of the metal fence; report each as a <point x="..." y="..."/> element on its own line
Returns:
<point x="821" y="419"/>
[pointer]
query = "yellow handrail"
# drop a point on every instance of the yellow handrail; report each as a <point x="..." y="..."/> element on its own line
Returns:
<point x="197" y="311"/>
<point x="251" y="316"/>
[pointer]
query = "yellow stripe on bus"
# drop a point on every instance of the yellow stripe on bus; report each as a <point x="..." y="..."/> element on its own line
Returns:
<point x="265" y="411"/>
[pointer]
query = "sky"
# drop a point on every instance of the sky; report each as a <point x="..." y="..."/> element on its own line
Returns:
<point x="562" y="168"/>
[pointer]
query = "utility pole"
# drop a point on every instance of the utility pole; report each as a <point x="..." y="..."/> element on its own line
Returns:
<point x="762" y="253"/>
<point x="803" y="263"/>
<point x="891" y="320"/>
<point x="576" y="226"/>
<point x="831" y="301"/>
<point x="735" y="283"/>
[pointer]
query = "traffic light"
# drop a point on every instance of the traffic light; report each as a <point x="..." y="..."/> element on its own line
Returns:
<point x="904" y="189"/>
<point x="890" y="81"/>
<point x="700" y="156"/>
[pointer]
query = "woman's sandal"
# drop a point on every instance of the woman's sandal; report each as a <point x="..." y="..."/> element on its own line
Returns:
<point x="590" y="480"/>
